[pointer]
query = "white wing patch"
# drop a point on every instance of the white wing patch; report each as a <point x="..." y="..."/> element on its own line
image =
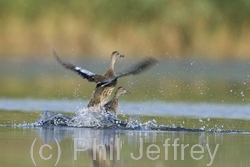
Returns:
<point x="84" y="71"/>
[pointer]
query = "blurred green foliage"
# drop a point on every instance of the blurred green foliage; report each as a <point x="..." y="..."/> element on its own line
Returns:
<point x="235" y="13"/>
<point x="192" y="27"/>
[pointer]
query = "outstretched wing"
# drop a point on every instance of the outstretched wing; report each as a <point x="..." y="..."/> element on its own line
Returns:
<point x="90" y="76"/>
<point x="137" y="69"/>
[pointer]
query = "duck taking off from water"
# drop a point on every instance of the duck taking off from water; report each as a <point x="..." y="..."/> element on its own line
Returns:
<point x="101" y="93"/>
<point x="112" y="105"/>
<point x="106" y="82"/>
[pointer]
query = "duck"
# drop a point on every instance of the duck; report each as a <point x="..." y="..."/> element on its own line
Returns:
<point x="112" y="105"/>
<point x="105" y="83"/>
<point x="105" y="87"/>
<point x="100" y="94"/>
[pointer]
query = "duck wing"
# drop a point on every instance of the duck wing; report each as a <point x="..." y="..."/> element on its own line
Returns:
<point x="136" y="69"/>
<point x="90" y="76"/>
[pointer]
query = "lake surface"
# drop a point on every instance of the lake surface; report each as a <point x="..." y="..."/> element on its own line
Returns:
<point x="58" y="146"/>
<point x="22" y="145"/>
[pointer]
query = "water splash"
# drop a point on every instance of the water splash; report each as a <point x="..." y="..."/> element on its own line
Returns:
<point x="89" y="118"/>
<point x="151" y="124"/>
<point x="52" y="118"/>
<point x="134" y="122"/>
<point x="92" y="118"/>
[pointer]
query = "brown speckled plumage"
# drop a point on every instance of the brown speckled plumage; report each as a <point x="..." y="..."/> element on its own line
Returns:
<point x="102" y="93"/>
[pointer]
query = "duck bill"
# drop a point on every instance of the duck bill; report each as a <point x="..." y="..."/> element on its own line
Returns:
<point x="121" y="56"/>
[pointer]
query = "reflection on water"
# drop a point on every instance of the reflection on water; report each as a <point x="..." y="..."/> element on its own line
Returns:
<point x="102" y="146"/>
<point x="90" y="147"/>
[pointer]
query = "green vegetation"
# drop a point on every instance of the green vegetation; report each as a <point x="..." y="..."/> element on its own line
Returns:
<point x="211" y="28"/>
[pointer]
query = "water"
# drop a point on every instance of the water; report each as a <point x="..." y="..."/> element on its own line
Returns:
<point x="23" y="145"/>
<point x="203" y="110"/>
<point x="60" y="146"/>
<point x="177" y="94"/>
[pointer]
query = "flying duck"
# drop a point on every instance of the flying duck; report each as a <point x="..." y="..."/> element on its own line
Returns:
<point x="112" y="105"/>
<point x="106" y="82"/>
<point x="100" y="94"/>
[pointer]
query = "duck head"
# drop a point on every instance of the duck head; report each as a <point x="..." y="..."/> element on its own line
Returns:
<point x="115" y="55"/>
<point x="121" y="91"/>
